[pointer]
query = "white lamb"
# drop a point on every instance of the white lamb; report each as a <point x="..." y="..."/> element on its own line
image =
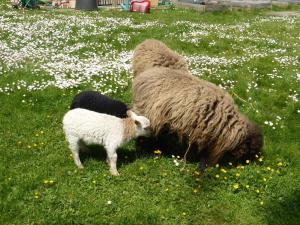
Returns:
<point x="83" y="127"/>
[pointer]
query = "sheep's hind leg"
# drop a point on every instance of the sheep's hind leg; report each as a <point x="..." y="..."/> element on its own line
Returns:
<point x="74" y="146"/>
<point x="112" y="161"/>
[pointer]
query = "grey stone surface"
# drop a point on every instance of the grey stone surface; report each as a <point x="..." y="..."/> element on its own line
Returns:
<point x="197" y="7"/>
<point x="251" y="4"/>
<point x="284" y="14"/>
<point x="223" y="5"/>
<point x="288" y="1"/>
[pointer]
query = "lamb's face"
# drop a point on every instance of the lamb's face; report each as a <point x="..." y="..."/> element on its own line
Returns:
<point x="142" y="126"/>
<point x="141" y="122"/>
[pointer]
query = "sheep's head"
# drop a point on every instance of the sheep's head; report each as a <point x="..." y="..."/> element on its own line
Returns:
<point x="248" y="148"/>
<point x="142" y="123"/>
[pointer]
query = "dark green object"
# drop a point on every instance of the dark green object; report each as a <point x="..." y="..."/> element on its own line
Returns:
<point x="86" y="4"/>
<point x="29" y="3"/>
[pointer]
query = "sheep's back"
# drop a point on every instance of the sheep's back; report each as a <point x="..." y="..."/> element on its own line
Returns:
<point x="153" y="53"/>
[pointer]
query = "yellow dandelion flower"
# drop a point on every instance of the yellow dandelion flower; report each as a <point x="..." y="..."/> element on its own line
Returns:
<point x="19" y="142"/>
<point x="36" y="135"/>
<point x="184" y="214"/>
<point x="247" y="186"/>
<point x="256" y="156"/>
<point x="167" y="189"/>
<point x="225" y="178"/>
<point x="247" y="161"/>
<point x="223" y="170"/>
<point x="46" y="181"/>
<point x="264" y="179"/>
<point x="236" y="186"/>
<point x="42" y="132"/>
<point x="230" y="163"/>
<point x="34" y="144"/>
<point x="217" y="175"/>
<point x="195" y="190"/>
<point x="279" y="164"/>
<point x="257" y="191"/>
<point x="28" y="146"/>
<point x="268" y="168"/>
<point x="261" y="202"/>
<point x="94" y="182"/>
<point x="36" y="196"/>
<point x="141" y="168"/>
<point x="237" y="174"/>
<point x="260" y="159"/>
<point x="51" y="181"/>
<point x="158" y="152"/>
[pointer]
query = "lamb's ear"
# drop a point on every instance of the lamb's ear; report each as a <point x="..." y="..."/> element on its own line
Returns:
<point x="138" y="123"/>
<point x="131" y="114"/>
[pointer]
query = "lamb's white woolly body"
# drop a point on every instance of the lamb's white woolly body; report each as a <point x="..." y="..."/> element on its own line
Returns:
<point x="83" y="127"/>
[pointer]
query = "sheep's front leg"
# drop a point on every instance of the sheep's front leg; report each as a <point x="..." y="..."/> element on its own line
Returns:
<point x="112" y="161"/>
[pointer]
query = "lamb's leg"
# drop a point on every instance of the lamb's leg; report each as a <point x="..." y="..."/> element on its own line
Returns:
<point x="74" y="146"/>
<point x="112" y="160"/>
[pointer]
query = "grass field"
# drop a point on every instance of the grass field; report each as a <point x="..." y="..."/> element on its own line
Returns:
<point x="46" y="57"/>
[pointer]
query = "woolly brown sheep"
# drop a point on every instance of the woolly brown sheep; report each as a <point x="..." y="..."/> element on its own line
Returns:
<point x="152" y="53"/>
<point x="197" y="111"/>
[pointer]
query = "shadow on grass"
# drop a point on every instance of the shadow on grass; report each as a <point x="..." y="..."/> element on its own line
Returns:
<point x="286" y="211"/>
<point x="125" y="155"/>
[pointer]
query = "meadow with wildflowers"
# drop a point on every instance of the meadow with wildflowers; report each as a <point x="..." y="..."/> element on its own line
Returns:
<point x="46" y="57"/>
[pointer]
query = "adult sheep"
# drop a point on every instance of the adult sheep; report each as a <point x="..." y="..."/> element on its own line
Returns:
<point x="198" y="111"/>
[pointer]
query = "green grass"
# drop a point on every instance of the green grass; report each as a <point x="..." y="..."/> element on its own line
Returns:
<point x="39" y="183"/>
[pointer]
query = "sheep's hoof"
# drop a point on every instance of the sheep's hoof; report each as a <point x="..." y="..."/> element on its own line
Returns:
<point x="202" y="166"/>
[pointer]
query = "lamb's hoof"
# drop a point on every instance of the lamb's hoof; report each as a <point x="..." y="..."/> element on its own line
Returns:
<point x="80" y="167"/>
<point x="115" y="173"/>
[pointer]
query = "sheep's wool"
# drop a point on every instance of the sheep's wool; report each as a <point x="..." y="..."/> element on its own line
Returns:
<point x="194" y="109"/>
